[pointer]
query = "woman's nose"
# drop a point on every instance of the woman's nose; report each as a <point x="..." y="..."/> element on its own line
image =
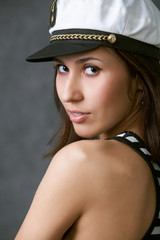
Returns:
<point x="72" y="90"/>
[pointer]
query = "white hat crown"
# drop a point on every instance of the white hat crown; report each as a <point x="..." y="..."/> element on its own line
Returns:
<point x="137" y="19"/>
<point x="82" y="25"/>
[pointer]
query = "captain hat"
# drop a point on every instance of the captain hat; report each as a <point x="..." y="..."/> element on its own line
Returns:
<point x="80" y="25"/>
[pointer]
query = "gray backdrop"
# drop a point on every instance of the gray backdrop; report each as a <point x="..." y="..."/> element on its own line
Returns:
<point x="27" y="113"/>
<point x="28" y="117"/>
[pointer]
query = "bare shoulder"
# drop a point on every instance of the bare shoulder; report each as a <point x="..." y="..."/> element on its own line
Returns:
<point x="87" y="180"/>
<point x="109" y="164"/>
<point x="118" y="156"/>
<point x="116" y="176"/>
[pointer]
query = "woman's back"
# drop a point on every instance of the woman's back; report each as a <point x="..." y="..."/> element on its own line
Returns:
<point x="93" y="189"/>
<point x="120" y="190"/>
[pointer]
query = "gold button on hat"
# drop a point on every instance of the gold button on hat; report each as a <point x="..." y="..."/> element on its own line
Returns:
<point x="112" y="38"/>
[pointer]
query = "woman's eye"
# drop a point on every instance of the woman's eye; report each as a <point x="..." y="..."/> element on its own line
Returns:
<point x="91" y="70"/>
<point x="62" y="68"/>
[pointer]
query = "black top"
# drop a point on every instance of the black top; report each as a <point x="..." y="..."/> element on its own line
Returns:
<point x="137" y="144"/>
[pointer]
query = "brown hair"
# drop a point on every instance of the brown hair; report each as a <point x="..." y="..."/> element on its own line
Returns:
<point x="148" y="71"/>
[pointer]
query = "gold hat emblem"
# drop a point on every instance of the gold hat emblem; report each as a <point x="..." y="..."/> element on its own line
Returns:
<point x="53" y="13"/>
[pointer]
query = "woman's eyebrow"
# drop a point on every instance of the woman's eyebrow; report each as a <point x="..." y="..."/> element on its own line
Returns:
<point x="58" y="60"/>
<point x="82" y="60"/>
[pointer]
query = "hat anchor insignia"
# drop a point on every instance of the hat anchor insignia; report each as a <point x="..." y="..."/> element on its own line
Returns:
<point x="53" y="13"/>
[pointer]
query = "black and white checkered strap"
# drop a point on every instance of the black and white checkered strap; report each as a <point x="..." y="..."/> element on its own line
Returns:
<point x="134" y="142"/>
<point x="137" y="144"/>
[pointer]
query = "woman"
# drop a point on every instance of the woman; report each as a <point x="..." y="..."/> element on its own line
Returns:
<point x="107" y="88"/>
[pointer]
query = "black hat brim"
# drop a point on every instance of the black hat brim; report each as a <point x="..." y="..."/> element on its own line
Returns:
<point x="64" y="47"/>
<point x="60" y="48"/>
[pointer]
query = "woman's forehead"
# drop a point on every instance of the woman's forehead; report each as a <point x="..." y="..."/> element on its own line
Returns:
<point x="99" y="55"/>
<point x="99" y="52"/>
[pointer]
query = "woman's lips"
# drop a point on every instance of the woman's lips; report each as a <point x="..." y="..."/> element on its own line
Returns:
<point x="77" y="117"/>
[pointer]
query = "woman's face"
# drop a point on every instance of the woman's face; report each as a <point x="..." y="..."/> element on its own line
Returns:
<point x="96" y="91"/>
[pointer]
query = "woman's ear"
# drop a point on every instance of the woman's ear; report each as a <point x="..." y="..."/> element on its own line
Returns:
<point x="140" y="90"/>
<point x="139" y="83"/>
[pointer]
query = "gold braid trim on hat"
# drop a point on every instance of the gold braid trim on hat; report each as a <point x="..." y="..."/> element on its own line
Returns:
<point x="76" y="36"/>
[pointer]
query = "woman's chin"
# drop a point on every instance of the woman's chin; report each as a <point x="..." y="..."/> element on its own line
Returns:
<point x="86" y="134"/>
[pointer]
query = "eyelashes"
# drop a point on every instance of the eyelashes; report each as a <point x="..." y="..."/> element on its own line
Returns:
<point x="92" y="70"/>
<point x="89" y="70"/>
<point x="61" y="68"/>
